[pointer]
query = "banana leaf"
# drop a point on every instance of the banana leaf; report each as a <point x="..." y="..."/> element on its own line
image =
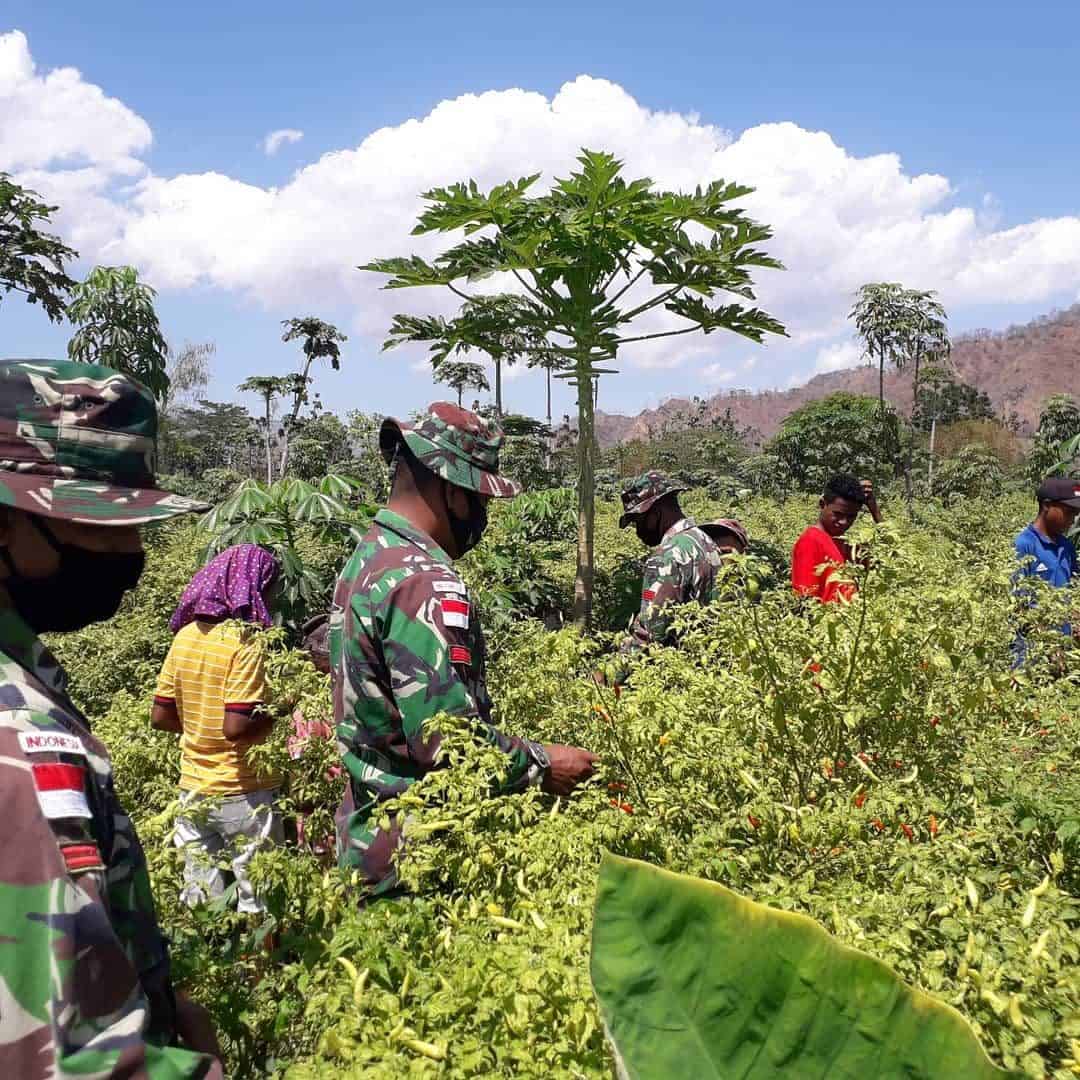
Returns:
<point x="695" y="981"/>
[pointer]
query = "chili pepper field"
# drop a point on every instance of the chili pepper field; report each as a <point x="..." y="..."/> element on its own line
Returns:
<point x="876" y="766"/>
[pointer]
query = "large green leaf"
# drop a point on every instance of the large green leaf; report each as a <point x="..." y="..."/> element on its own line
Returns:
<point x="696" y="981"/>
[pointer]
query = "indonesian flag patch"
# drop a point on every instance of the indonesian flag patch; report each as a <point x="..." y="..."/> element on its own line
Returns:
<point x="61" y="790"/>
<point x="455" y="612"/>
<point x="648" y="595"/>
<point x="459" y="654"/>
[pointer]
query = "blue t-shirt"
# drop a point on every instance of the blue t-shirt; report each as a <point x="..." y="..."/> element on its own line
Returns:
<point x="1052" y="560"/>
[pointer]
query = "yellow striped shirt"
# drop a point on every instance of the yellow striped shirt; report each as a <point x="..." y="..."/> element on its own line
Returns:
<point x="209" y="667"/>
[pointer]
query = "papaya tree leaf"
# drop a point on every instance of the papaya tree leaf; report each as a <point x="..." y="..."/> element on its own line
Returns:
<point x="694" y="980"/>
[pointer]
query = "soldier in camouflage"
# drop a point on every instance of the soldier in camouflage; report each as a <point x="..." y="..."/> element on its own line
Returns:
<point x="84" y="968"/>
<point x="405" y="641"/>
<point x="686" y="561"/>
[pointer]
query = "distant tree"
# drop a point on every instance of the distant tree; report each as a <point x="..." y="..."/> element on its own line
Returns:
<point x="189" y="374"/>
<point x="840" y="433"/>
<point x="268" y="387"/>
<point x="320" y="445"/>
<point x="948" y="400"/>
<point x="495" y="325"/>
<point x="118" y="327"/>
<point x="878" y="315"/>
<point x="461" y="375"/>
<point x="974" y="471"/>
<point x="209" y="435"/>
<point x="593" y="256"/>
<point x="32" y="261"/>
<point x="1059" y="425"/>
<point x="321" y="340"/>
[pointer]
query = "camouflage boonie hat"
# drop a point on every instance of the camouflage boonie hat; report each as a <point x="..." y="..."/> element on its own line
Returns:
<point x="79" y="442"/>
<point x="641" y="492"/>
<point x="718" y="529"/>
<point x="455" y="444"/>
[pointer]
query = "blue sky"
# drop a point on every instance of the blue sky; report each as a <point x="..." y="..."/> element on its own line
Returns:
<point x="174" y="178"/>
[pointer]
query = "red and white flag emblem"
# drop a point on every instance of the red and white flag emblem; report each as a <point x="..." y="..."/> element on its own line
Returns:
<point x="455" y="612"/>
<point x="648" y="595"/>
<point x="61" y="790"/>
<point x="459" y="654"/>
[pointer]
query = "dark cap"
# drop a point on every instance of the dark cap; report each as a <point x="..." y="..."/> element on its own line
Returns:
<point x="1060" y="489"/>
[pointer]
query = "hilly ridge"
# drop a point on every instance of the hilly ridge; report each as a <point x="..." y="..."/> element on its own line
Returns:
<point x="1018" y="368"/>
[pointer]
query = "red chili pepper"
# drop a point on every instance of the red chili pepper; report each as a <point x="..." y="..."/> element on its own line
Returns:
<point x="841" y="764"/>
<point x="908" y="831"/>
<point x="860" y="799"/>
<point x="614" y="786"/>
<point x="626" y="808"/>
<point x="933" y="825"/>
<point x="754" y="822"/>
<point x="935" y="720"/>
<point x="877" y="823"/>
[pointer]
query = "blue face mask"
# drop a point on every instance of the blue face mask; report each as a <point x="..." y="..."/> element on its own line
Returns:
<point x="87" y="588"/>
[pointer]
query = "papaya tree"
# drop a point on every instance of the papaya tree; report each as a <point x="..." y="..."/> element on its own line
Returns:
<point x="267" y="387"/>
<point x="495" y="325"/>
<point x="602" y="262"/>
<point x="461" y="375"/>
<point x="321" y="339"/>
<point x="878" y="317"/>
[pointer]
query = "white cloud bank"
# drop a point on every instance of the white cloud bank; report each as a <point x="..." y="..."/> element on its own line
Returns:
<point x="839" y="220"/>
<point x="838" y="357"/>
<point x="276" y="139"/>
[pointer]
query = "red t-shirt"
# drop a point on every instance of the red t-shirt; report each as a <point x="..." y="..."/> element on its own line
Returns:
<point x="813" y="548"/>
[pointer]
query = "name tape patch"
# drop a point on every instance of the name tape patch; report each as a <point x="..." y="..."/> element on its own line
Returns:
<point x="455" y="612"/>
<point x="61" y="790"/>
<point x="51" y="742"/>
<point x="449" y="586"/>
<point x="459" y="654"/>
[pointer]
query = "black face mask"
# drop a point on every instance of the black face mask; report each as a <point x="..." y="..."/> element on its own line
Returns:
<point x="87" y="588"/>
<point x="467" y="531"/>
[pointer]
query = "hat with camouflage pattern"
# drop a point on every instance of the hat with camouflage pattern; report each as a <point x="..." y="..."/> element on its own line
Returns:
<point x="640" y="493"/>
<point x="724" y="529"/>
<point x="455" y="444"/>
<point x="79" y="442"/>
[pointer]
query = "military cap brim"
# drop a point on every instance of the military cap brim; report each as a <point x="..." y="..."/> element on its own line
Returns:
<point x="645" y="505"/>
<point x="88" y="502"/>
<point x="445" y="460"/>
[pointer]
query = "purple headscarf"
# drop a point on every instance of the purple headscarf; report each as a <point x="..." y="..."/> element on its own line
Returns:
<point x="231" y="586"/>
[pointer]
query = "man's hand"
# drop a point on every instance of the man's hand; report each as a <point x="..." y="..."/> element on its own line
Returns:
<point x="870" y="499"/>
<point x="195" y="1028"/>
<point x="570" y="766"/>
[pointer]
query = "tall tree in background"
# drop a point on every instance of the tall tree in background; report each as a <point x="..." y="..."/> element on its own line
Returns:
<point x="596" y="257"/>
<point x="495" y="325"/>
<point x="189" y="375"/>
<point x="32" y="261"/>
<point x="549" y="361"/>
<point x="267" y="387"/>
<point x="923" y="336"/>
<point x="118" y="326"/>
<point x="878" y="315"/>
<point x="462" y="375"/>
<point x="321" y="339"/>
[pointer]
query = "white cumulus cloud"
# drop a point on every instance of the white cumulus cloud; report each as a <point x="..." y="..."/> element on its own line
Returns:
<point x="276" y="139"/>
<point x="838" y="219"/>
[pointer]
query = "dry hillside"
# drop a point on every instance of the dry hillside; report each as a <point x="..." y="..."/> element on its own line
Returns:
<point x="1019" y="368"/>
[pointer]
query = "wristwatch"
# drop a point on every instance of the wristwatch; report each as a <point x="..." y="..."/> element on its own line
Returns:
<point x="539" y="755"/>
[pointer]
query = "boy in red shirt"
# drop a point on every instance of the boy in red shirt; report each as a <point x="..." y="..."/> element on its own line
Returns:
<point x="821" y="544"/>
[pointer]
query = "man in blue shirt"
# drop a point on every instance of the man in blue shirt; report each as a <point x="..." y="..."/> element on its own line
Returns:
<point x="1043" y="548"/>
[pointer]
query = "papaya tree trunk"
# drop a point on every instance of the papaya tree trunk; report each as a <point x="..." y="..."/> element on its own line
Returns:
<point x="498" y="386"/>
<point x="909" y="483"/>
<point x="269" y="454"/>
<point x="547" y="372"/>
<point x="583" y="581"/>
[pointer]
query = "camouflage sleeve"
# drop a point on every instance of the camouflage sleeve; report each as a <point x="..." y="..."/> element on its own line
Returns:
<point x="434" y="649"/>
<point x="661" y="586"/>
<point x="72" y="1002"/>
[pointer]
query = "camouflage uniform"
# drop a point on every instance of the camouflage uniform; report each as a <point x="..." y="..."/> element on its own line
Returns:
<point x="84" y="968"/>
<point x="406" y="645"/>
<point x="682" y="569"/>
